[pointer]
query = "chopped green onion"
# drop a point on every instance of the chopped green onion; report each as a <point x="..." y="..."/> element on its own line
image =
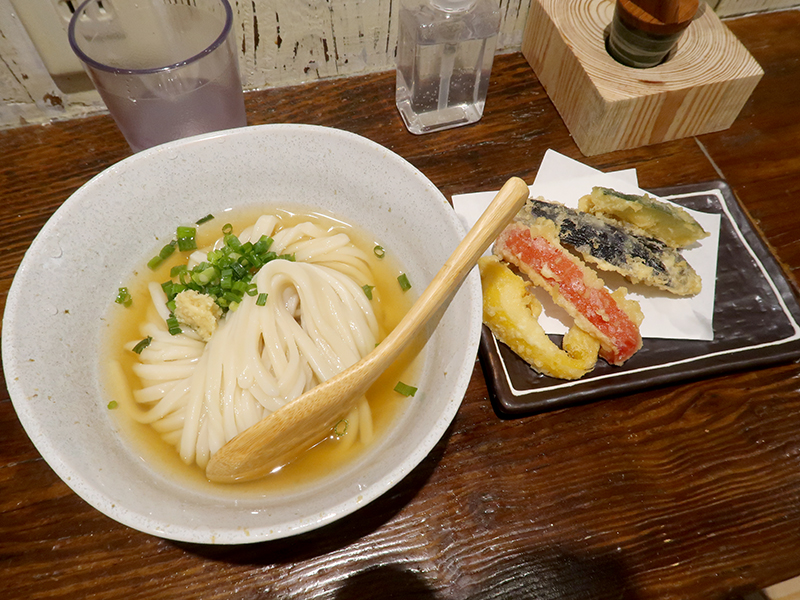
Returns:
<point x="124" y="297"/>
<point x="186" y="240"/>
<point x="167" y="251"/>
<point x="155" y="262"/>
<point x="177" y="270"/>
<point x="226" y="279"/>
<point x="231" y="297"/>
<point x="232" y="241"/>
<point x="206" y="276"/>
<point x="262" y="299"/>
<point x="405" y="389"/>
<point x="227" y="228"/>
<point x="240" y="287"/>
<point x="262" y="245"/>
<point x="173" y="326"/>
<point x="239" y="270"/>
<point x="405" y="285"/>
<point x="205" y="219"/>
<point x="142" y="344"/>
<point x="112" y="405"/>
<point x="368" y="290"/>
<point x="379" y="251"/>
<point x="340" y="428"/>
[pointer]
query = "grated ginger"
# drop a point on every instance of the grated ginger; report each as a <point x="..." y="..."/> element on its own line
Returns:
<point x="197" y="311"/>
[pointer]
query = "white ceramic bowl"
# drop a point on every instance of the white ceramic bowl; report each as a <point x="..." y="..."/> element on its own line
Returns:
<point x="53" y="321"/>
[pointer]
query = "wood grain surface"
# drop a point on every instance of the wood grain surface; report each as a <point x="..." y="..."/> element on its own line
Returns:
<point x="608" y="106"/>
<point x="686" y="492"/>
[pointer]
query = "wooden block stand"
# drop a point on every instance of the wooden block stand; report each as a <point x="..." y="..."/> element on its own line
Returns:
<point x="700" y="88"/>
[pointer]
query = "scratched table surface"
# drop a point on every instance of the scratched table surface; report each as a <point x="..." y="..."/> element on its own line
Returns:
<point x="683" y="492"/>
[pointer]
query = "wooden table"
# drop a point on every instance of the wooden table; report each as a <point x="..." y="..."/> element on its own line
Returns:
<point x="690" y="491"/>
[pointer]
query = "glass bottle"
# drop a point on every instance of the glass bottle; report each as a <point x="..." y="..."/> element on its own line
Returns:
<point x="445" y="50"/>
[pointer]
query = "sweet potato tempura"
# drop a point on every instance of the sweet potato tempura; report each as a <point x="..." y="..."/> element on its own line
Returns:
<point x="512" y="313"/>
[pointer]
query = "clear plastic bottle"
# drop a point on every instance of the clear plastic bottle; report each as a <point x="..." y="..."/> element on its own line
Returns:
<point x="445" y="51"/>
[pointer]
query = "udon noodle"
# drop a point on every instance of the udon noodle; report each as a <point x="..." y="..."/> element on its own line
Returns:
<point x="316" y="321"/>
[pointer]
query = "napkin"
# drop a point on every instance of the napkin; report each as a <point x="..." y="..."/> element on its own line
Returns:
<point x="562" y="179"/>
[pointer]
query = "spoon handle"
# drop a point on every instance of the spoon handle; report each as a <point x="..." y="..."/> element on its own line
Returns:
<point x="505" y="205"/>
<point x="302" y="422"/>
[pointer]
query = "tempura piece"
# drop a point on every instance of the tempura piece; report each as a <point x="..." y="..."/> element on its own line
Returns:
<point x="638" y="258"/>
<point x="610" y="318"/>
<point x="666" y="222"/>
<point x="512" y="312"/>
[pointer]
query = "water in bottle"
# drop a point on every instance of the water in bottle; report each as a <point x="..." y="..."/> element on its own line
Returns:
<point x="444" y="59"/>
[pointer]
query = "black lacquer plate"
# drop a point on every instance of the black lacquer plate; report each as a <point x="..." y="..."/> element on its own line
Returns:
<point x="756" y="316"/>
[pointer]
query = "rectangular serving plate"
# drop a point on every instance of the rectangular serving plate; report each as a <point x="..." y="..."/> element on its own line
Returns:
<point x="756" y="315"/>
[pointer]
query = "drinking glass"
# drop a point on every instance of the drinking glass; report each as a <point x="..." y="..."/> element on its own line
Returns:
<point x="166" y="69"/>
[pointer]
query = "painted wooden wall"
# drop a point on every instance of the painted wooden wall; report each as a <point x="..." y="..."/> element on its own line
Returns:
<point x="729" y="8"/>
<point x="282" y="42"/>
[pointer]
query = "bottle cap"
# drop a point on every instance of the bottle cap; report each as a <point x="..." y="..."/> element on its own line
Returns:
<point x="660" y="17"/>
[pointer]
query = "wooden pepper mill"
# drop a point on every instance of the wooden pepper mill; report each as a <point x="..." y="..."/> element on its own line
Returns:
<point x="643" y="32"/>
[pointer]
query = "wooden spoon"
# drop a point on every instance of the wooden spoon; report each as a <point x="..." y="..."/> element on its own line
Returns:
<point x="295" y="427"/>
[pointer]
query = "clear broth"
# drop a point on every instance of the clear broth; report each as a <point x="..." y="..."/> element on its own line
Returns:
<point x="327" y="457"/>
